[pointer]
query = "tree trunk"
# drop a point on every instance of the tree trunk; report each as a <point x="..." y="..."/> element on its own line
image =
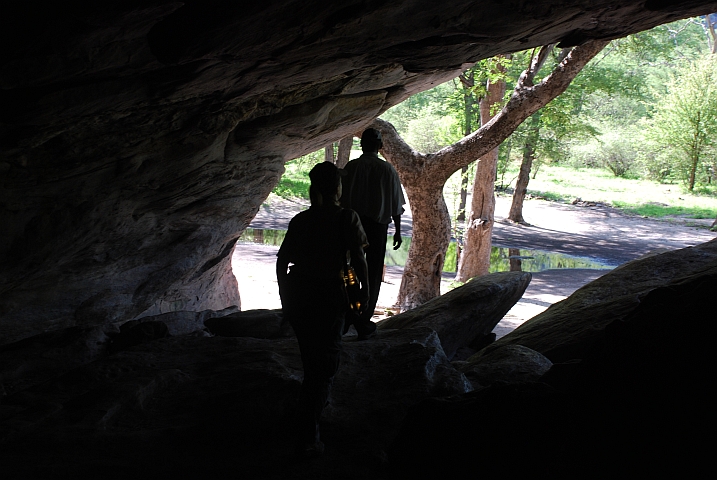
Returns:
<point x="461" y="217"/>
<point x="431" y="235"/>
<point x="468" y="102"/>
<point x="521" y="185"/>
<point x="329" y="153"/>
<point x="342" y="157"/>
<point x="475" y="257"/>
<point x="516" y="264"/>
<point x="423" y="175"/>
<point x="694" y="161"/>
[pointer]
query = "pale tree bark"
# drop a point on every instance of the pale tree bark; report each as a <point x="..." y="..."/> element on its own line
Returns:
<point x="423" y="175"/>
<point x="342" y="157"/>
<point x="468" y="83"/>
<point x="475" y="257"/>
<point x="521" y="184"/>
<point x="329" y="153"/>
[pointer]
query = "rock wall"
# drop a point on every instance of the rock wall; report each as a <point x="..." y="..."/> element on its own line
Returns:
<point x="139" y="138"/>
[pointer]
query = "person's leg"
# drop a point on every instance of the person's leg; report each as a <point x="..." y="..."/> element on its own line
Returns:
<point x="306" y="421"/>
<point x="375" y="254"/>
<point x="319" y="335"/>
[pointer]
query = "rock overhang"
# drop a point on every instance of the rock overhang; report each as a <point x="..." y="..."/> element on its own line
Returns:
<point x="139" y="138"/>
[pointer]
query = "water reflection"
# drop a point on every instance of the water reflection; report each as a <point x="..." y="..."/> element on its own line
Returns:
<point x="502" y="259"/>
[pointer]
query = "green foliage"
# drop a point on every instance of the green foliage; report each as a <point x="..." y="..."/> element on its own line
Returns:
<point x="505" y="161"/>
<point x="430" y="133"/>
<point x="289" y="188"/>
<point x="683" y="128"/>
<point x="617" y="151"/>
<point x="436" y="102"/>
<point x="295" y="182"/>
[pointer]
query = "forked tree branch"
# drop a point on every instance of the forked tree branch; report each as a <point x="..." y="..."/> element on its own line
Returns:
<point x="525" y="100"/>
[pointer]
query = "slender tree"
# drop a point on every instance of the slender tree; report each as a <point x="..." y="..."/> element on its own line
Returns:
<point x="468" y="83"/>
<point x="329" y="153"/>
<point x="521" y="184"/>
<point x="530" y="144"/>
<point x="423" y="175"/>
<point x="342" y="156"/>
<point x="685" y="123"/>
<point x="475" y="257"/>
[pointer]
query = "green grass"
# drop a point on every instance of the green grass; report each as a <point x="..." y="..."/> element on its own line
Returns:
<point x="641" y="197"/>
<point x="665" y="211"/>
<point x="290" y="188"/>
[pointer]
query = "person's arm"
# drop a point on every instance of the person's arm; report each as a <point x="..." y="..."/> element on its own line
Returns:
<point x="397" y="240"/>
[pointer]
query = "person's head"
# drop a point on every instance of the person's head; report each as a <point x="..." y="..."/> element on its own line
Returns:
<point x="371" y="140"/>
<point x="325" y="183"/>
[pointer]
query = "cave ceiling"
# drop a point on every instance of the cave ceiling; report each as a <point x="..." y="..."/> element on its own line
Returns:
<point x="139" y="138"/>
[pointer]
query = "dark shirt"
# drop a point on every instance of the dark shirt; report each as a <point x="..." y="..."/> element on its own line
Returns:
<point x="372" y="189"/>
<point x="317" y="240"/>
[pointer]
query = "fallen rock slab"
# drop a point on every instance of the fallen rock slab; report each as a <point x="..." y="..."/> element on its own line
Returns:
<point x="569" y="329"/>
<point x="467" y="313"/>
<point x="261" y="323"/>
<point x="183" y="321"/>
<point x="508" y="364"/>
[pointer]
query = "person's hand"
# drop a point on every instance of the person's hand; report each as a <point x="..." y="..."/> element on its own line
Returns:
<point x="397" y="241"/>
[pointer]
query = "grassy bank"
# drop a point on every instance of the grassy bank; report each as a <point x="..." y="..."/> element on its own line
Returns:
<point x="639" y="197"/>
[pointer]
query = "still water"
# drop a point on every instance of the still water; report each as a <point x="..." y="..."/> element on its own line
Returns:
<point x="502" y="259"/>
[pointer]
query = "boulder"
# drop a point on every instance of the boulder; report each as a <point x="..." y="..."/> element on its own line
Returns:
<point x="468" y="313"/>
<point x="183" y="321"/>
<point x="501" y="431"/>
<point x="135" y="332"/>
<point x="219" y="405"/>
<point x="37" y="359"/>
<point x="570" y="329"/>
<point x="260" y="323"/>
<point x="508" y="364"/>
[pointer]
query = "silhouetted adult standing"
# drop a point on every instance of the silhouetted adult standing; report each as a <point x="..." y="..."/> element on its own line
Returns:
<point x="312" y="294"/>
<point x="373" y="190"/>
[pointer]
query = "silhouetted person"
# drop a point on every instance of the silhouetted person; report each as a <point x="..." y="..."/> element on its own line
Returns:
<point x="312" y="292"/>
<point x="373" y="190"/>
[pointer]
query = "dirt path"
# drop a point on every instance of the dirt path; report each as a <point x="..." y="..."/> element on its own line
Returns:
<point x="597" y="232"/>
